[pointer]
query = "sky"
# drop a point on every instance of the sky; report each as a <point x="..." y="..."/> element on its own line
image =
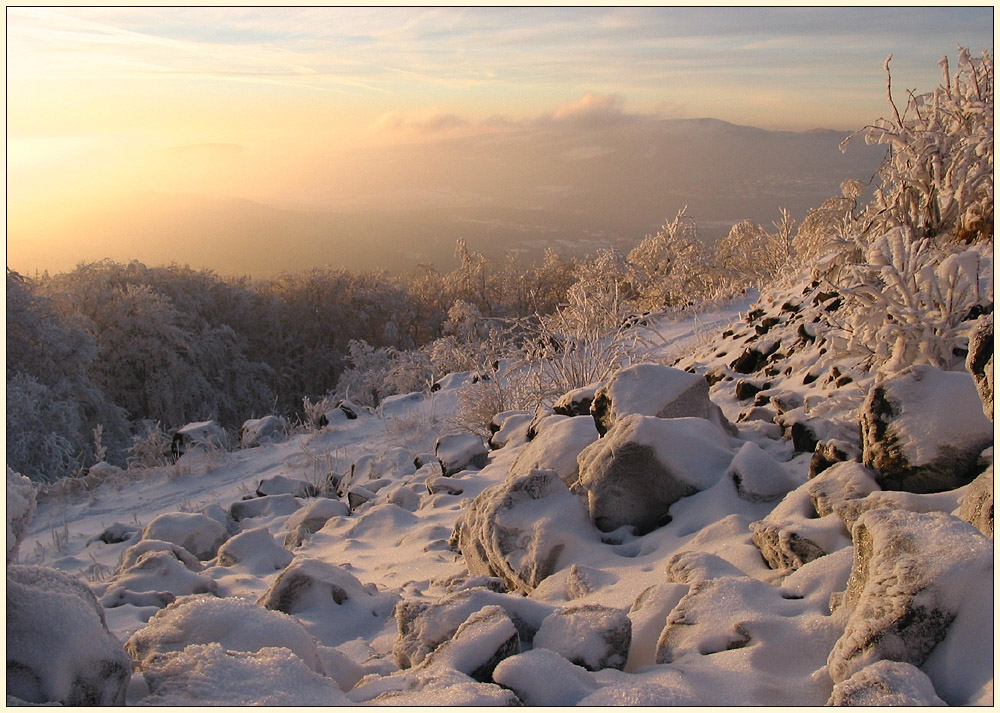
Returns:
<point x="266" y="104"/>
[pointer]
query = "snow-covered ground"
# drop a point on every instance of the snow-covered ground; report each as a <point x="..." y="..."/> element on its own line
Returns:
<point x="394" y="613"/>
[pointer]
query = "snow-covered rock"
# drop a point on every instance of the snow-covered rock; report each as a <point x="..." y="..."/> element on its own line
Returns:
<point x="254" y="550"/>
<point x="460" y="451"/>
<point x="213" y="675"/>
<point x="424" y="626"/>
<point x="913" y="574"/>
<point x="578" y="401"/>
<point x="923" y="430"/>
<point x="979" y="361"/>
<point x="258" y="431"/>
<point x="157" y="571"/>
<point x="116" y="532"/>
<point x="804" y="525"/>
<point x="132" y="555"/>
<point x="201" y="436"/>
<point x="198" y="534"/>
<point x="557" y="449"/>
<point x="323" y="589"/>
<point x="544" y="678"/>
<point x="593" y="636"/>
<point x="523" y="530"/>
<point x="266" y="507"/>
<point x="758" y="477"/>
<point x="483" y="640"/>
<point x="830" y="451"/>
<point x="509" y="428"/>
<point x="643" y="465"/>
<point x="20" y="508"/>
<point x="886" y="683"/>
<point x="281" y="484"/>
<point x="655" y="390"/>
<point x="310" y="518"/>
<point x="235" y="624"/>
<point x="59" y="648"/>
<point x="977" y="504"/>
<point x="648" y="614"/>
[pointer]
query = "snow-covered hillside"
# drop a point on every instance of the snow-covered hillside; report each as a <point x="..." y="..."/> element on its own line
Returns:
<point x="745" y="519"/>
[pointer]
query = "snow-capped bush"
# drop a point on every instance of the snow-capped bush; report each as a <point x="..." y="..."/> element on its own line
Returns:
<point x="937" y="179"/>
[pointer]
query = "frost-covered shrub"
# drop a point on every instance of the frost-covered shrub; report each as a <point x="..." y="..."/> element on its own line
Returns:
<point x="380" y="372"/>
<point x="150" y="446"/>
<point x="937" y="179"/>
<point x="753" y="256"/>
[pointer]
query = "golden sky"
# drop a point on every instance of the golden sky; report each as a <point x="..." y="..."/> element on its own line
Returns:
<point x="273" y="105"/>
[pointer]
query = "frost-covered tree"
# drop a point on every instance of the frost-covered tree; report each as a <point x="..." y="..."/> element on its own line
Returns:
<point x="937" y="178"/>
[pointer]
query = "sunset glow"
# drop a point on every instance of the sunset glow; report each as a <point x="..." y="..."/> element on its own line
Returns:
<point x="110" y="108"/>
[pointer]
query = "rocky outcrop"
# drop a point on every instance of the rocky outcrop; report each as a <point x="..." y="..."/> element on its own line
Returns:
<point x="643" y="465"/>
<point x="59" y="648"/>
<point x="923" y="430"/>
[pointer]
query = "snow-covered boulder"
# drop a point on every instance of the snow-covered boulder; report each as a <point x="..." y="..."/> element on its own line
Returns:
<point x="655" y="390"/>
<point x="212" y="675"/>
<point x="830" y="451"/>
<point x="254" y="550"/>
<point x="140" y="548"/>
<point x="201" y="436"/>
<point x="198" y="534"/>
<point x="103" y="470"/>
<point x="923" y="430"/>
<point x="433" y="686"/>
<point x="979" y="361"/>
<point x="424" y="626"/>
<point x="116" y="532"/>
<point x="460" y="451"/>
<point x="266" y="507"/>
<point x="258" y="431"/>
<point x="886" y="683"/>
<point x="523" y="530"/>
<point x="154" y="571"/>
<point x="804" y="525"/>
<point x="643" y="465"/>
<point x="509" y="428"/>
<point x="310" y="518"/>
<point x="915" y="576"/>
<point x="282" y="484"/>
<point x="544" y="678"/>
<point x="749" y="625"/>
<point x="323" y="589"/>
<point x="648" y="615"/>
<point x="557" y="449"/>
<point x="593" y="636"/>
<point x="757" y="476"/>
<point x="977" y="505"/>
<point x="850" y="511"/>
<point x="483" y="640"/>
<point x="235" y="624"/>
<point x="578" y="401"/>
<point x="59" y="648"/>
<point x="20" y="508"/>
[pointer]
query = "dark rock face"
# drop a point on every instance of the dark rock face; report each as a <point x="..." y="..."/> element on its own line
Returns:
<point x="747" y="390"/>
<point x="592" y="636"/>
<point x="910" y="576"/>
<point x="913" y="441"/>
<point x="576" y="402"/>
<point x="752" y="359"/>
<point x="979" y="361"/>
<point x="829" y="452"/>
<point x="59" y="648"/>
